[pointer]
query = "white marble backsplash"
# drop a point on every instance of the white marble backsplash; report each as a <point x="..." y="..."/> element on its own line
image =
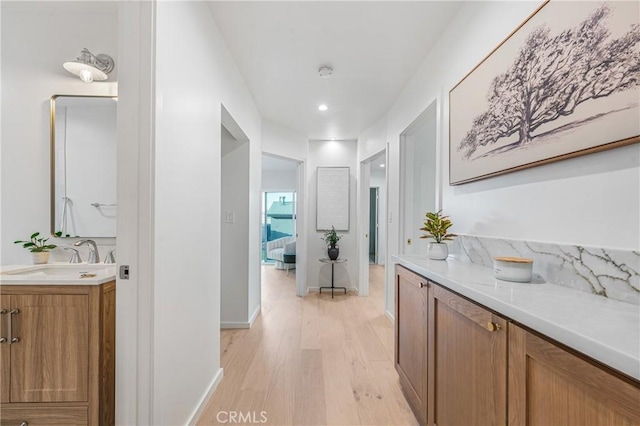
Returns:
<point x="609" y="273"/>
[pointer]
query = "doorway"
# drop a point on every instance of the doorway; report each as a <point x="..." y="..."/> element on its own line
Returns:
<point x="283" y="181"/>
<point x="419" y="182"/>
<point x="373" y="224"/>
<point x="373" y="243"/>
<point x="236" y="288"/>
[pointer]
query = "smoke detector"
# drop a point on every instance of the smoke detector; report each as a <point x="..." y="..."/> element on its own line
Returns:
<point x="325" y="71"/>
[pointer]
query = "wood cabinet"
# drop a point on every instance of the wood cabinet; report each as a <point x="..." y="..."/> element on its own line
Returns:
<point x="58" y="357"/>
<point x="411" y="339"/>
<point x="551" y="385"/>
<point x="468" y="362"/>
<point x="461" y="364"/>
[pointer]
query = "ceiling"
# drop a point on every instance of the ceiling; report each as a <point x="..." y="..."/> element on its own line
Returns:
<point x="276" y="164"/>
<point x="374" y="48"/>
<point x="379" y="162"/>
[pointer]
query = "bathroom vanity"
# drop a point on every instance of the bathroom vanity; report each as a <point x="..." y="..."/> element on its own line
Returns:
<point x="57" y="350"/>
<point x="470" y="349"/>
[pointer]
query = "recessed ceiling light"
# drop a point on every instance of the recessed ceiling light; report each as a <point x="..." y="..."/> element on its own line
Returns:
<point x="323" y="107"/>
<point x="382" y="165"/>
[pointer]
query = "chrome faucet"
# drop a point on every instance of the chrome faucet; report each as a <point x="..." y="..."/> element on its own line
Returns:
<point x="94" y="256"/>
<point x="110" y="257"/>
<point x="75" y="255"/>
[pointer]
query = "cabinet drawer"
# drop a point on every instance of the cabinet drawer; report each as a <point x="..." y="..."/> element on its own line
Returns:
<point x="44" y="416"/>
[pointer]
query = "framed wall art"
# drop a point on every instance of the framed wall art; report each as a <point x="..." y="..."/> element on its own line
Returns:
<point x="565" y="83"/>
<point x="332" y="198"/>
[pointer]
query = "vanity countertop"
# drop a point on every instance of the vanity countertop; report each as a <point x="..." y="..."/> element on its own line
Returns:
<point x="603" y="329"/>
<point x="57" y="274"/>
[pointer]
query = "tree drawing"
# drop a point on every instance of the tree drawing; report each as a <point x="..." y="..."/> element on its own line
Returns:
<point x="552" y="75"/>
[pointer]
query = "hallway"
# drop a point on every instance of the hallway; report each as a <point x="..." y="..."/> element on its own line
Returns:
<point x="311" y="361"/>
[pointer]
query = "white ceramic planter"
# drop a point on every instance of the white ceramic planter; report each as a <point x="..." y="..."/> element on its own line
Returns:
<point x="438" y="251"/>
<point x="518" y="269"/>
<point x="39" y="257"/>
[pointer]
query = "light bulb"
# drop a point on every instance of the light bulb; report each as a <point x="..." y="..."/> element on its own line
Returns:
<point x="323" y="107"/>
<point x="86" y="76"/>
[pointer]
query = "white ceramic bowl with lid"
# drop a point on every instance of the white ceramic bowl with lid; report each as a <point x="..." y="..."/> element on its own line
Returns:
<point x="518" y="269"/>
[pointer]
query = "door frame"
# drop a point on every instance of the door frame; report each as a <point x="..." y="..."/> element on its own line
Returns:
<point x="363" y="231"/>
<point x="135" y="199"/>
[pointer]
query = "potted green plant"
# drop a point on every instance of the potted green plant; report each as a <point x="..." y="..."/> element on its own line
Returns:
<point x="331" y="237"/>
<point x="437" y="227"/>
<point x="38" y="247"/>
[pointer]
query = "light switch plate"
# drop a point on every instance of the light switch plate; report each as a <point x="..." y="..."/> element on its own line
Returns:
<point x="230" y="217"/>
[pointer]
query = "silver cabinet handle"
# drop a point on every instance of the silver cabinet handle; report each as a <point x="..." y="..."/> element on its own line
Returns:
<point x="12" y="339"/>
<point x="2" y="338"/>
<point x="24" y="424"/>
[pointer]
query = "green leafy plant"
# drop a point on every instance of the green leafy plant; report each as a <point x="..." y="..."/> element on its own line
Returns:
<point x="331" y="237"/>
<point x="36" y="245"/>
<point x="436" y="226"/>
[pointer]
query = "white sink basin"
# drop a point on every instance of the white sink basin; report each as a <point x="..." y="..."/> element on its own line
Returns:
<point x="65" y="273"/>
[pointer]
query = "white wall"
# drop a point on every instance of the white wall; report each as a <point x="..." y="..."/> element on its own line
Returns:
<point x="283" y="141"/>
<point x="234" y="252"/>
<point x="187" y="192"/>
<point x="566" y="202"/>
<point x="37" y="37"/>
<point x="331" y="154"/>
<point x="279" y="180"/>
<point x="379" y="180"/>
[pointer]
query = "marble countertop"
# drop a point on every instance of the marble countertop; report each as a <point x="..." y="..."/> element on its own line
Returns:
<point x="603" y="329"/>
<point x="57" y="274"/>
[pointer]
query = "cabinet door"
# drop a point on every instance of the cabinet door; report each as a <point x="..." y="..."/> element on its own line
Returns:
<point x="4" y="349"/>
<point x="468" y="369"/>
<point x="411" y="339"/>
<point x="50" y="362"/>
<point x="45" y="416"/>
<point x="549" y="385"/>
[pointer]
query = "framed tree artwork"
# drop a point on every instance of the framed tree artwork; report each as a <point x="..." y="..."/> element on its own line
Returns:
<point x="565" y="83"/>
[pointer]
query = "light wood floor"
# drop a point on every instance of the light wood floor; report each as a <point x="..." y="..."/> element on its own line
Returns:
<point x="311" y="360"/>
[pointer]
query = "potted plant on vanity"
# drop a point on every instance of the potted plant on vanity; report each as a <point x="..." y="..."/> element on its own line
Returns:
<point x="331" y="237"/>
<point x="436" y="226"/>
<point x="38" y="247"/>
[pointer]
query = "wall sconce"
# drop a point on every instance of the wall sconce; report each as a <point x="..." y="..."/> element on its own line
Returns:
<point x="90" y="67"/>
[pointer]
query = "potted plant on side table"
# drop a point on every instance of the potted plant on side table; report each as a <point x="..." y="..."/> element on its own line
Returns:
<point x="38" y="248"/>
<point x="436" y="226"/>
<point x="331" y="237"/>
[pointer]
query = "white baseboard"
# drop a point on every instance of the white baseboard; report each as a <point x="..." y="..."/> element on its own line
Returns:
<point x="202" y="404"/>
<point x="226" y="325"/>
<point x="230" y="325"/>
<point x="254" y="316"/>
